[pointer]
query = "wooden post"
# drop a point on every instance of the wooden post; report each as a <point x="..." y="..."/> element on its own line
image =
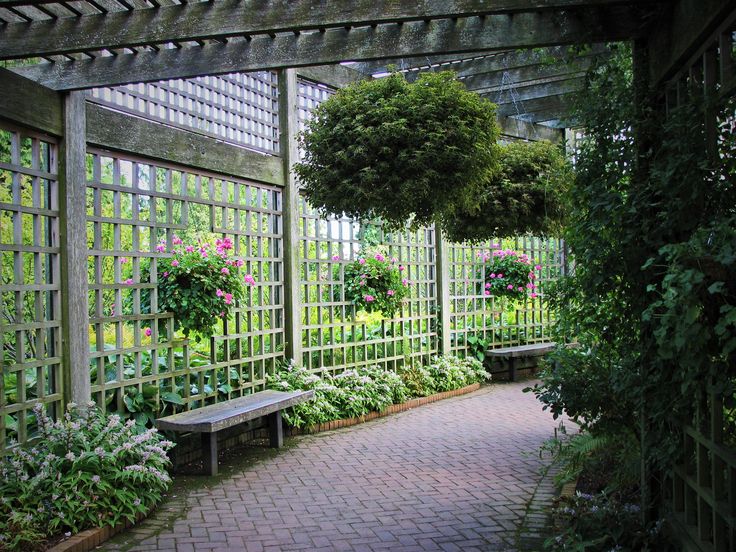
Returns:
<point x="443" y="290"/>
<point x="73" y="201"/>
<point x="289" y="126"/>
<point x="275" y="430"/>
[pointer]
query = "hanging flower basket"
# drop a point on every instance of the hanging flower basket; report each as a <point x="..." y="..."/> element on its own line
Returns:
<point x="376" y="283"/>
<point x="507" y="273"/>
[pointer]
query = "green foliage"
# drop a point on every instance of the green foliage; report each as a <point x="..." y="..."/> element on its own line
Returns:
<point x="601" y="523"/>
<point x="85" y="470"/>
<point x="375" y="283"/>
<point x="390" y="149"/>
<point x="507" y="273"/>
<point x="200" y="284"/>
<point x="526" y="195"/>
<point x="355" y="393"/>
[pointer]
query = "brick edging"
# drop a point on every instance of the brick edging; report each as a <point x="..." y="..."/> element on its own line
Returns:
<point x="90" y="538"/>
<point x="392" y="409"/>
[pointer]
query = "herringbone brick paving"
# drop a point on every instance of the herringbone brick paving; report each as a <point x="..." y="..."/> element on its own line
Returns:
<point x="453" y="475"/>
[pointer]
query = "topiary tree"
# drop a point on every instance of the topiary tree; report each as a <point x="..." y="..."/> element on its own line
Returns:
<point x="399" y="151"/>
<point x="525" y="196"/>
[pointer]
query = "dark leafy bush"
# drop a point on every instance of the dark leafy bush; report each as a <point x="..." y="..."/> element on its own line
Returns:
<point x="392" y="149"/>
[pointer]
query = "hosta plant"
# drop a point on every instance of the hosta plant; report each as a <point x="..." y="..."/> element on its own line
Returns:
<point x="375" y="283"/>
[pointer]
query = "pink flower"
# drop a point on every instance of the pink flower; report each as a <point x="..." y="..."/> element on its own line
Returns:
<point x="362" y="282"/>
<point x="509" y="286"/>
<point x="488" y="292"/>
<point x="492" y="275"/>
<point x="189" y="248"/>
<point x="161" y="247"/>
<point x="239" y="262"/>
<point x="401" y="268"/>
<point x="336" y="257"/>
<point x="166" y="274"/>
<point x="249" y="279"/>
<point x="405" y="282"/>
<point x="222" y="314"/>
<point x="520" y="288"/>
<point x="488" y="285"/>
<point x="394" y="260"/>
<point x="538" y="267"/>
<point x="129" y="281"/>
<point x="369" y="298"/>
<point x="390" y="293"/>
<point x="174" y="263"/>
<point x="228" y="298"/>
<point x="148" y="332"/>
<point x="531" y="276"/>
<point x="499" y="275"/>
<point x="219" y="293"/>
<point x="529" y="285"/>
<point x="379" y="257"/>
<point x="361" y="261"/>
<point x="533" y="295"/>
<point x="204" y="254"/>
<point x="225" y="270"/>
<point x="176" y="240"/>
<point x="123" y="260"/>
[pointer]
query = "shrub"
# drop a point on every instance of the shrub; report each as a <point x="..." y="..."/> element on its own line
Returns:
<point x="599" y="523"/>
<point x="376" y="284"/>
<point x="390" y="149"/>
<point x="418" y="381"/>
<point x="525" y="196"/>
<point x="450" y="372"/>
<point x="86" y="470"/>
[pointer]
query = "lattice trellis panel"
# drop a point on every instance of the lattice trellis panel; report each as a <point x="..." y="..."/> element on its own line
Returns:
<point x="132" y="204"/>
<point x="30" y="327"/>
<point x="309" y="96"/>
<point x="334" y="336"/>
<point x="240" y="108"/>
<point x="500" y="322"/>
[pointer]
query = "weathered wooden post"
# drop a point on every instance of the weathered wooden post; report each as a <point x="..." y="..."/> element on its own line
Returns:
<point x="442" y="264"/>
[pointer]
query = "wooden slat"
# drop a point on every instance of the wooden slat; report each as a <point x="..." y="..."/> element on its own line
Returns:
<point x="216" y="417"/>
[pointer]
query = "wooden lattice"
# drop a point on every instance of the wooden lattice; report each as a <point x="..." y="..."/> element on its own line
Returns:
<point x="334" y="337"/>
<point x="30" y="327"/>
<point x="132" y="205"/>
<point x="240" y="108"/>
<point x="497" y="321"/>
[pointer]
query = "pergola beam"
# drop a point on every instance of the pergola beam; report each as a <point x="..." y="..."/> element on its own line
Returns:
<point x="544" y="108"/>
<point x="524" y="30"/>
<point x="521" y="76"/>
<point x="522" y="94"/>
<point x="219" y="20"/>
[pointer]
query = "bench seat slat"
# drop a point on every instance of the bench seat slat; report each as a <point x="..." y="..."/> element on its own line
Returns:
<point x="216" y="417"/>
<point x="535" y="349"/>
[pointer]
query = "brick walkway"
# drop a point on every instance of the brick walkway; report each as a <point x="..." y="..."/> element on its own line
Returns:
<point x="459" y="474"/>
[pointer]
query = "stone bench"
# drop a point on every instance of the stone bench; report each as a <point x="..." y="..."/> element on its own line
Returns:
<point x="208" y="420"/>
<point x="520" y="351"/>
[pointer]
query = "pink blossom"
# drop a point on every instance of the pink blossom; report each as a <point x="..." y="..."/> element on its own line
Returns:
<point x="174" y="263"/>
<point x="129" y="281"/>
<point x="166" y="274"/>
<point x="488" y="292"/>
<point x="499" y="275"/>
<point x="520" y="288"/>
<point x="401" y="268"/>
<point x="222" y="314"/>
<point x="379" y="257"/>
<point x="538" y="267"/>
<point x="492" y="275"/>
<point x="488" y="285"/>
<point x="369" y="298"/>
<point x="530" y="285"/>
<point x="123" y="260"/>
<point x="219" y="293"/>
<point x="533" y="295"/>
<point x="361" y="261"/>
<point x="394" y="260"/>
<point x="161" y="247"/>
<point x="148" y="332"/>
<point x="405" y="282"/>
<point x="204" y="254"/>
<point x="531" y="276"/>
<point x="249" y="279"/>
<point x="362" y="282"/>
<point x="225" y="270"/>
<point x="336" y="257"/>
<point x="390" y="293"/>
<point x="228" y="298"/>
<point x="239" y="262"/>
<point x="176" y="240"/>
<point x="189" y="248"/>
<point x="510" y="286"/>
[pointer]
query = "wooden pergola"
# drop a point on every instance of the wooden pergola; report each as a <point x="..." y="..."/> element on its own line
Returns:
<point x="515" y="52"/>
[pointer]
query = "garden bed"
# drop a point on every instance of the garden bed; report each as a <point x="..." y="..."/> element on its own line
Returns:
<point x="391" y="409"/>
<point x="91" y="538"/>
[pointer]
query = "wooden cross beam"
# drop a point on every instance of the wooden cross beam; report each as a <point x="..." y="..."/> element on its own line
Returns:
<point x="499" y="32"/>
<point x="221" y="20"/>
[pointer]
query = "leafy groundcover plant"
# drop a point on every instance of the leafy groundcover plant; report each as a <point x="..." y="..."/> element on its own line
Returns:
<point x="355" y="393"/>
<point x="375" y="284"/>
<point x="85" y="470"/>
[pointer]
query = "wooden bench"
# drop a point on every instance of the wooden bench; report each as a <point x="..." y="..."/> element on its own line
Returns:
<point x="208" y="420"/>
<point x="520" y="351"/>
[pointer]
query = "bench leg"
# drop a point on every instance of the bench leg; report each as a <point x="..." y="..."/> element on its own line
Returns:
<point x="209" y="453"/>
<point x="512" y="369"/>
<point x="275" y="429"/>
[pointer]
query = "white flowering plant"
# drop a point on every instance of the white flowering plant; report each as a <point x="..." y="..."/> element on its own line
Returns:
<point x="85" y="470"/>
